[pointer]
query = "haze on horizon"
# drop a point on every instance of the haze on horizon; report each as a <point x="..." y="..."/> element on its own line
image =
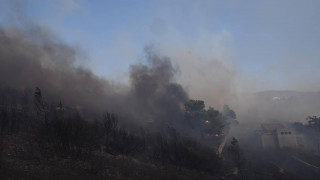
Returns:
<point x="218" y="48"/>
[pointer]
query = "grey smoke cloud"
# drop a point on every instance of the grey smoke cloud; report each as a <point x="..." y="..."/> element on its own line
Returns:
<point x="154" y="89"/>
<point x="34" y="58"/>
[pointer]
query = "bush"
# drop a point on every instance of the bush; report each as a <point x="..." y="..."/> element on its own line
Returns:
<point x="182" y="151"/>
<point x="173" y="148"/>
<point x="75" y="137"/>
<point x="126" y="143"/>
<point x="1" y="150"/>
<point x="71" y="136"/>
<point x="59" y="135"/>
<point x="118" y="140"/>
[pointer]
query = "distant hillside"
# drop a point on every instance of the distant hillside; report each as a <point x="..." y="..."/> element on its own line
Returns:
<point x="288" y="106"/>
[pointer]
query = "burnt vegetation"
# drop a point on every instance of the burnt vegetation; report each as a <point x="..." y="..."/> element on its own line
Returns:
<point x="80" y="126"/>
<point x="152" y="119"/>
<point x="54" y="131"/>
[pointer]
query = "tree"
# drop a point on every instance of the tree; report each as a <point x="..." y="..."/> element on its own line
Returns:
<point x="110" y="125"/>
<point x="40" y="105"/>
<point x="236" y="155"/>
<point x="194" y="106"/>
<point x="196" y="114"/>
<point x="314" y="122"/>
<point x="228" y="113"/>
<point x="4" y="113"/>
<point x="298" y="126"/>
<point x="229" y="117"/>
<point x="215" y="123"/>
<point x="207" y="121"/>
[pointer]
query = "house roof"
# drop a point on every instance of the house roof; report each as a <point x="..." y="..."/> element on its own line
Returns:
<point x="272" y="126"/>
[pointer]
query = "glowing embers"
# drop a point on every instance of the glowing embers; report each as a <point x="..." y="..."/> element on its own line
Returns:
<point x="150" y="121"/>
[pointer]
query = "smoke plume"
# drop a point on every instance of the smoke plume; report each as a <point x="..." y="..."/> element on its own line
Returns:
<point x="34" y="58"/>
<point x="153" y="89"/>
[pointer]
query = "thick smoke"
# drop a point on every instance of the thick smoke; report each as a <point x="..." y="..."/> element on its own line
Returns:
<point x="281" y="106"/>
<point x="153" y="89"/>
<point x="214" y="80"/>
<point x="33" y="58"/>
<point x="218" y="82"/>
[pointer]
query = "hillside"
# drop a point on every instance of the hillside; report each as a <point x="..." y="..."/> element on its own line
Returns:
<point x="284" y="106"/>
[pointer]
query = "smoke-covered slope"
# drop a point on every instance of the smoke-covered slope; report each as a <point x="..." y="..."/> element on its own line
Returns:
<point x="283" y="106"/>
<point x="32" y="57"/>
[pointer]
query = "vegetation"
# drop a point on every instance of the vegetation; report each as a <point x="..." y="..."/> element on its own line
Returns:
<point x="50" y="131"/>
<point x="208" y="122"/>
<point x="236" y="154"/>
<point x="314" y="123"/>
<point x="310" y="130"/>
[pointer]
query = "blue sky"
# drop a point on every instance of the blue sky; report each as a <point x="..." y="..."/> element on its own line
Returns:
<point x="274" y="43"/>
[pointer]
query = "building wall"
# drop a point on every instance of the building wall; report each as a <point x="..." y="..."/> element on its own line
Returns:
<point x="287" y="138"/>
<point x="269" y="141"/>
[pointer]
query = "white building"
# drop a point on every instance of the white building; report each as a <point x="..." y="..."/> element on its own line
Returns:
<point x="277" y="136"/>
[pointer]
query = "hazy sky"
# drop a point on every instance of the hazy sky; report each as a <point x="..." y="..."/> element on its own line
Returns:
<point x="275" y="44"/>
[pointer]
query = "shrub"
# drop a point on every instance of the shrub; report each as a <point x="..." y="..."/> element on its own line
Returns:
<point x="71" y="136"/>
<point x="118" y="140"/>
<point x="182" y="151"/>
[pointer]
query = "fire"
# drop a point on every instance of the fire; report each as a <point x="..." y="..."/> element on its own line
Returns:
<point x="207" y="122"/>
<point x="211" y="135"/>
<point x="150" y="121"/>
